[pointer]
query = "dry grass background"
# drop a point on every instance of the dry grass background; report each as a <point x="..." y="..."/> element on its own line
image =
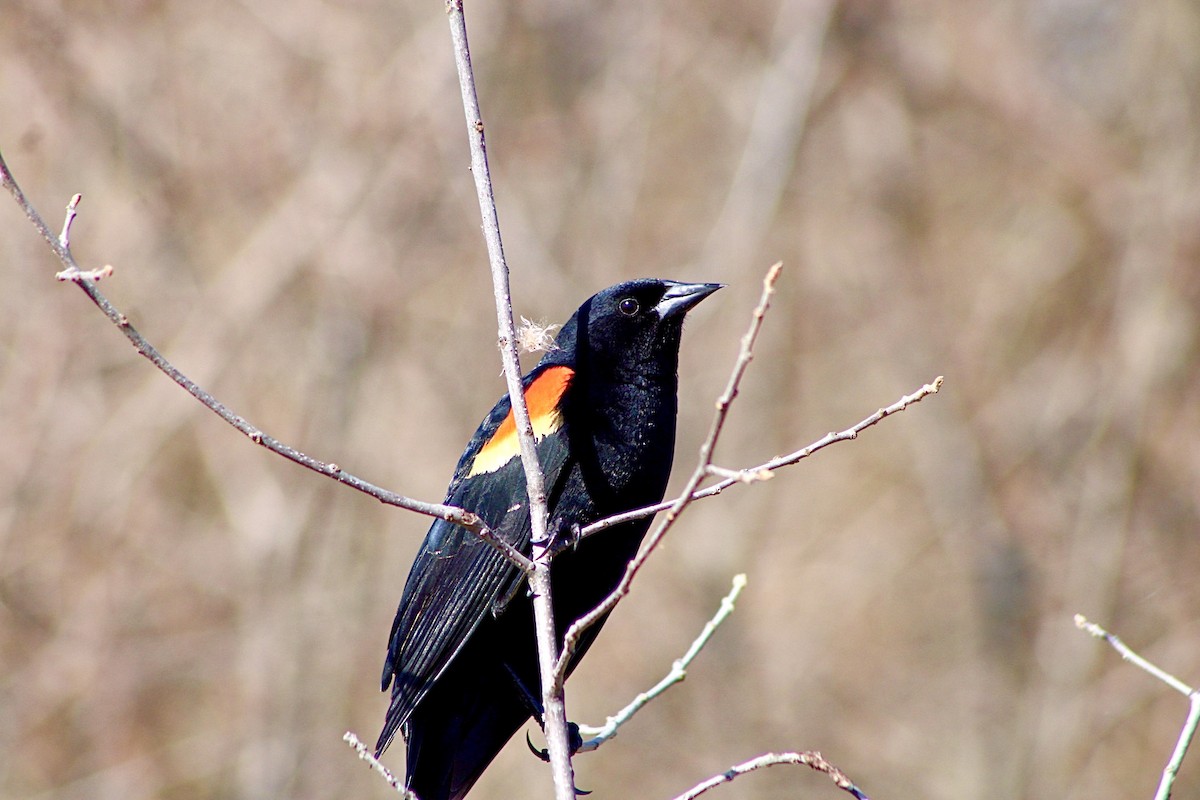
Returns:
<point x="1004" y="193"/>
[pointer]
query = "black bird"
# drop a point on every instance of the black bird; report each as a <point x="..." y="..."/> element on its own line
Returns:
<point x="462" y="658"/>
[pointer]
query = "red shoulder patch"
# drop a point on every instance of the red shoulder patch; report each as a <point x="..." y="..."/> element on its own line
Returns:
<point x="542" y="397"/>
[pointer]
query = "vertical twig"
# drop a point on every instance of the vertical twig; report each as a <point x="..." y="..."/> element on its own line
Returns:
<point x="553" y="702"/>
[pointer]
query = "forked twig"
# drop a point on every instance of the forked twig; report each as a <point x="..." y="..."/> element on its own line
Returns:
<point x="751" y="474"/>
<point x="1193" y="695"/>
<point x="57" y="243"/>
<point x="677" y="674"/>
<point x="86" y="280"/>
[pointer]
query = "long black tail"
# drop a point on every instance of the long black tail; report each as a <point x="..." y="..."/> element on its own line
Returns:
<point x="454" y="735"/>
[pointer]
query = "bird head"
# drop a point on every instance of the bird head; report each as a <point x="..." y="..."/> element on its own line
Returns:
<point x="631" y="327"/>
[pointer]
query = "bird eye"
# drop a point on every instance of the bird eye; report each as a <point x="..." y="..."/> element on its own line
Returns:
<point x="628" y="306"/>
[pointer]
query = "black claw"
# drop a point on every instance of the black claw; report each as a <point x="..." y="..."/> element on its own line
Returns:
<point x="564" y="536"/>
<point x="544" y="755"/>
<point x="574" y="742"/>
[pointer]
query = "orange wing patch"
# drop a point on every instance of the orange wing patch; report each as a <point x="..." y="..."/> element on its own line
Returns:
<point x="542" y="398"/>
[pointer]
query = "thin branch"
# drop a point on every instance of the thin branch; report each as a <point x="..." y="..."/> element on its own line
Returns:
<point x="64" y="238"/>
<point x="1193" y="695"/>
<point x="499" y="267"/>
<point x="759" y="472"/>
<point x="810" y="759"/>
<point x="1181" y="747"/>
<point x="366" y="755"/>
<point x="553" y="700"/>
<point x="1129" y="655"/>
<point x="677" y="674"/>
<point x="86" y="280"/>
<point x="56" y="244"/>
<point x="745" y="355"/>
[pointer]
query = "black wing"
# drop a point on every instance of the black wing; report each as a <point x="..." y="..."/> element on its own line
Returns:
<point x="457" y="578"/>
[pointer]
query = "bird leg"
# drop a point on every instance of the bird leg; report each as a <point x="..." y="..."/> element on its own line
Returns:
<point x="534" y="706"/>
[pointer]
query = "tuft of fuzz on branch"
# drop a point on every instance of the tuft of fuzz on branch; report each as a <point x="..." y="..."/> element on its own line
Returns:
<point x="536" y="337"/>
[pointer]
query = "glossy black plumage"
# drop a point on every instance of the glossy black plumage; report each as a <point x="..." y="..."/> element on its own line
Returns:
<point x="603" y="404"/>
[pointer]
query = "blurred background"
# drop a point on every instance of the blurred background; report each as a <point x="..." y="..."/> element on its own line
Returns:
<point x="1003" y="193"/>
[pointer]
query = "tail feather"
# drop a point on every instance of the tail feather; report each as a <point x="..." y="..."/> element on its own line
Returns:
<point x="453" y="738"/>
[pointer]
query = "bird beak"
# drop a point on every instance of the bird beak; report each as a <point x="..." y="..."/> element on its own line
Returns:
<point x="681" y="297"/>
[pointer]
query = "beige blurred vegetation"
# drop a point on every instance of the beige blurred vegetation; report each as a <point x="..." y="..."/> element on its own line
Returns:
<point x="1004" y="193"/>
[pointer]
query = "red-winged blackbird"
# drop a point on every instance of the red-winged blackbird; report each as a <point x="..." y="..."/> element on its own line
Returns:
<point x="462" y="659"/>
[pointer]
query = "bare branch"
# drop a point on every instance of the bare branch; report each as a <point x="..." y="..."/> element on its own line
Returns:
<point x="1129" y="655"/>
<point x="366" y="755"/>
<point x="811" y="759"/>
<point x="500" y="284"/>
<point x="553" y="701"/>
<point x="56" y="243"/>
<point x="86" y="280"/>
<point x="759" y="472"/>
<point x="1193" y="719"/>
<point x="677" y="674"/>
<point x="745" y="355"/>
<point x="1181" y="747"/>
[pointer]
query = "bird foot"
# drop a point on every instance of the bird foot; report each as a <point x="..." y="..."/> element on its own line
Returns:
<point x="564" y="536"/>
<point x="575" y="741"/>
